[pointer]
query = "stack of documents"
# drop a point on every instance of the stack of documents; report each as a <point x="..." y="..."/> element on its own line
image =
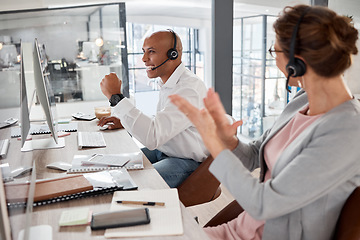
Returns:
<point x="100" y="162"/>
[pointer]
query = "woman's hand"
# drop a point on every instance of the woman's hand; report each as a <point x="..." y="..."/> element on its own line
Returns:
<point x="203" y="122"/>
<point x="225" y="130"/>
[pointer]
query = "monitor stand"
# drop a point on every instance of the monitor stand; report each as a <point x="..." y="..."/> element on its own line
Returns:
<point x="46" y="143"/>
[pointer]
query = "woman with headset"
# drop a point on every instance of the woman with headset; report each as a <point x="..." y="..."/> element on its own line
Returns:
<point x="310" y="158"/>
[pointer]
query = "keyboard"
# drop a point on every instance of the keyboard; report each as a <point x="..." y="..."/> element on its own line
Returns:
<point x="90" y="139"/>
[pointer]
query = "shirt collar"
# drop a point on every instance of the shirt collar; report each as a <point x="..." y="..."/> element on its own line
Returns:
<point x="174" y="78"/>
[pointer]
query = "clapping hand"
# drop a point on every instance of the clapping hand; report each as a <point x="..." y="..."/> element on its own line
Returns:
<point x="211" y="122"/>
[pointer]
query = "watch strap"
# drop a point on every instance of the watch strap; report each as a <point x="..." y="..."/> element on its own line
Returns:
<point x="115" y="99"/>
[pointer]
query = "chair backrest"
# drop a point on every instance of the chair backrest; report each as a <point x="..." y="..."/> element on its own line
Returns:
<point x="348" y="225"/>
<point x="200" y="187"/>
<point x="228" y="213"/>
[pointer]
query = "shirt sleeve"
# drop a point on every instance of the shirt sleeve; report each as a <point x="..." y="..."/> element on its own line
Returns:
<point x="154" y="131"/>
<point x="248" y="153"/>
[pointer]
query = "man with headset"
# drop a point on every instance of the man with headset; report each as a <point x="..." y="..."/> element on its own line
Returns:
<point x="172" y="143"/>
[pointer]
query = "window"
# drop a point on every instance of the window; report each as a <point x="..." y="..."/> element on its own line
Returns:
<point x="259" y="93"/>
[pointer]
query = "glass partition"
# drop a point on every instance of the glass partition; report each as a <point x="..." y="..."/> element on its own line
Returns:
<point x="82" y="44"/>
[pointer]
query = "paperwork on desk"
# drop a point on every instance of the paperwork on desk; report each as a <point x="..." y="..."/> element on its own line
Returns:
<point x="82" y="163"/>
<point x="111" y="178"/>
<point x="165" y="220"/>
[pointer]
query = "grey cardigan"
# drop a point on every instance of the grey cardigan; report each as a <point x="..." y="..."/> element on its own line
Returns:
<point x="311" y="179"/>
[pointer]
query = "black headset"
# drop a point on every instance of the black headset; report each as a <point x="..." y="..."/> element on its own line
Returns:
<point x="295" y="67"/>
<point x="172" y="53"/>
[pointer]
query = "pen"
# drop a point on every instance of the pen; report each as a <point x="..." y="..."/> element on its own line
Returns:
<point x="142" y="203"/>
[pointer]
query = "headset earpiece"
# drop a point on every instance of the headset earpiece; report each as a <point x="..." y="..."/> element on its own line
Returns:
<point x="172" y="54"/>
<point x="295" y="67"/>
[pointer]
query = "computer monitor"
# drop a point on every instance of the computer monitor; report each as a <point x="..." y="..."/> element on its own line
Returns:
<point x="44" y="92"/>
<point x="47" y="101"/>
<point x="24" y="106"/>
<point x="5" y="231"/>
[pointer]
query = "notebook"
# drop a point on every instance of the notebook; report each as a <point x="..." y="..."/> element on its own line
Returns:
<point x="111" y="178"/>
<point x="89" y="193"/>
<point x="36" y="129"/>
<point x="79" y="164"/>
<point x="47" y="189"/>
<point x="165" y="220"/>
<point x="57" y="190"/>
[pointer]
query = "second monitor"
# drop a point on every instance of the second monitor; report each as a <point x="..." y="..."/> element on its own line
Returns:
<point x="47" y="101"/>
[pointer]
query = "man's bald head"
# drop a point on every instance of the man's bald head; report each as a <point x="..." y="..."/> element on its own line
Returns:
<point x="166" y="38"/>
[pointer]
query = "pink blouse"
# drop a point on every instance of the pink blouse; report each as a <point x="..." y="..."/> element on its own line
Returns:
<point x="244" y="227"/>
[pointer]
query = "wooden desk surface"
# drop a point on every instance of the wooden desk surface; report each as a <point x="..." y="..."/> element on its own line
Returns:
<point x="117" y="141"/>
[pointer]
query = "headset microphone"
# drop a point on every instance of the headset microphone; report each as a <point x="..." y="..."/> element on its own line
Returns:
<point x="295" y="67"/>
<point x="160" y="64"/>
<point x="172" y="53"/>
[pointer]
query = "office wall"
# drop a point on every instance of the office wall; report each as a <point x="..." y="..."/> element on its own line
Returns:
<point x="350" y="8"/>
<point x="67" y="48"/>
<point x="352" y="75"/>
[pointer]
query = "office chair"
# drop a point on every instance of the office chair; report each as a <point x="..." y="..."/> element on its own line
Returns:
<point x="200" y="187"/>
<point x="347" y="227"/>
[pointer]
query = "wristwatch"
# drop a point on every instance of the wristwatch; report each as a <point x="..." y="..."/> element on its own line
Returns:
<point x="115" y="99"/>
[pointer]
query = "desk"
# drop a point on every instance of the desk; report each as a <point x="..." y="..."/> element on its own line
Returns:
<point x="118" y="141"/>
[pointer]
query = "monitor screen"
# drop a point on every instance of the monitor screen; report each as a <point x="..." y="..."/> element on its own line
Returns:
<point x="44" y="90"/>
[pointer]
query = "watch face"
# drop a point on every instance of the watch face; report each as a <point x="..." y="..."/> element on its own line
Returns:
<point x="116" y="98"/>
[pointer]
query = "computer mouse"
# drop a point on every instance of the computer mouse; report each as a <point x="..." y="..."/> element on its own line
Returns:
<point x="106" y="126"/>
<point x="20" y="171"/>
<point x="64" y="166"/>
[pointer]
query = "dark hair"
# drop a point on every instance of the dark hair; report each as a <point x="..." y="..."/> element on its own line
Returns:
<point x="325" y="40"/>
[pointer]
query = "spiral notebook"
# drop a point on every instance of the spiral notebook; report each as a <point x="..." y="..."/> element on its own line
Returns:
<point x="67" y="188"/>
<point x="84" y="194"/>
<point x="83" y="164"/>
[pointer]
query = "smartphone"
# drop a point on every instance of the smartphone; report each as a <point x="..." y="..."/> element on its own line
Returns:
<point x="123" y="218"/>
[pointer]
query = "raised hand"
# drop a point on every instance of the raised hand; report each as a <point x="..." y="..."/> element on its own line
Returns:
<point x="225" y="130"/>
<point x="204" y="123"/>
<point x="110" y="85"/>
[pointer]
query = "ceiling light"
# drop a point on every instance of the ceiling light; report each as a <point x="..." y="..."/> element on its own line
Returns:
<point x="99" y="42"/>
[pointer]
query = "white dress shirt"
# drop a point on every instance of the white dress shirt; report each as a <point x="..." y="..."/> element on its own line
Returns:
<point x="169" y="131"/>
